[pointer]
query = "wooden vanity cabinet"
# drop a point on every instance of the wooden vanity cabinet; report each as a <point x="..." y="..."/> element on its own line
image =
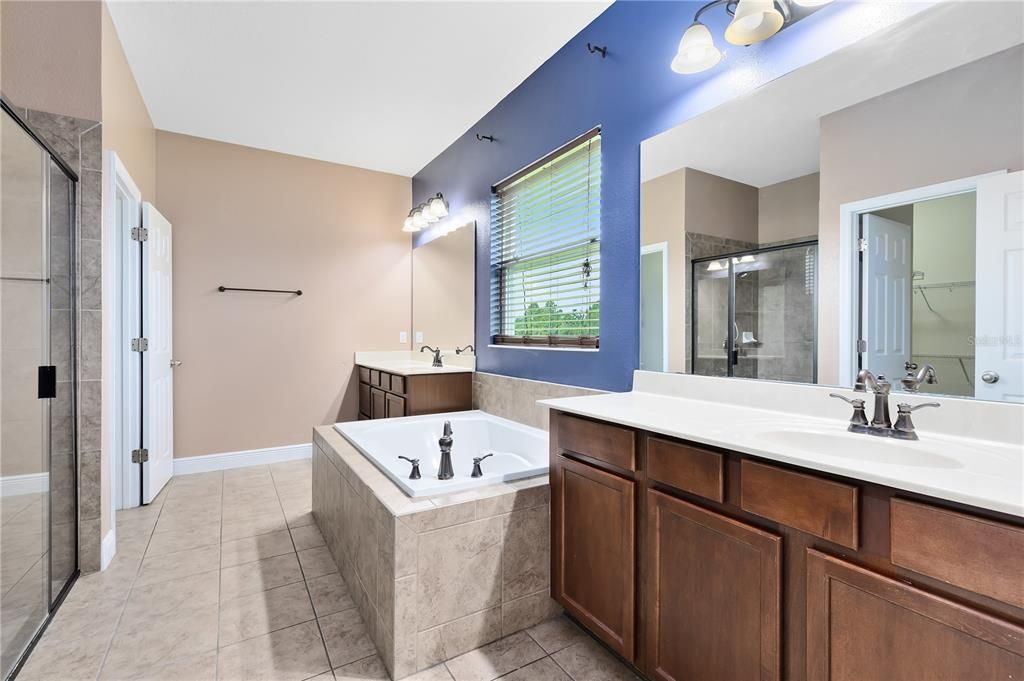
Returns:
<point x="383" y="395"/>
<point x="699" y="564"/>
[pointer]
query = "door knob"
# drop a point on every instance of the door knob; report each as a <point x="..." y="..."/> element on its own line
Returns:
<point x="175" y="363"/>
<point x="990" y="377"/>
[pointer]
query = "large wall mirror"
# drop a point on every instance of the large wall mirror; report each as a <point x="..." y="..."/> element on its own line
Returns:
<point x="864" y="211"/>
<point x="442" y="289"/>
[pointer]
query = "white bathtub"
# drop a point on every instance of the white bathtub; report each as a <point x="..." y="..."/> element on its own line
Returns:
<point x="519" y="451"/>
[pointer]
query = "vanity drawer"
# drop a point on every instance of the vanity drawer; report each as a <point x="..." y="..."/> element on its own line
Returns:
<point x="687" y="468"/>
<point x="983" y="556"/>
<point x="602" y="441"/>
<point x="374" y="377"/>
<point x="364" y="375"/>
<point x="398" y="384"/>
<point x="824" y="508"/>
<point x="364" y="399"/>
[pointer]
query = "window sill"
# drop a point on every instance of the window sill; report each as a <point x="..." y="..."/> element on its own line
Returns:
<point x="545" y="348"/>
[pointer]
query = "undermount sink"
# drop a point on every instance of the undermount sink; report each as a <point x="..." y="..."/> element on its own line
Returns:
<point x="859" y="447"/>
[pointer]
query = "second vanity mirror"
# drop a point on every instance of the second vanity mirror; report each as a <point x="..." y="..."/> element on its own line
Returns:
<point x="442" y="290"/>
<point x="865" y="211"/>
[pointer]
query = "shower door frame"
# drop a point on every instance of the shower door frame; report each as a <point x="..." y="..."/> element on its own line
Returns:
<point x="54" y="603"/>
<point x="731" y="307"/>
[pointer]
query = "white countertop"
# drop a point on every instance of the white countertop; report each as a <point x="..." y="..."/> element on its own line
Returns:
<point x="984" y="473"/>
<point x="409" y="363"/>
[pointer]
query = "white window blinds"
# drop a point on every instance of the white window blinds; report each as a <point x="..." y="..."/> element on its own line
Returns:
<point x="545" y="249"/>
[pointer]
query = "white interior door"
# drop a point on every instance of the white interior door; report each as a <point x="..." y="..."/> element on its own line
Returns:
<point x="653" y="324"/>
<point x="887" y="269"/>
<point x="999" y="338"/>
<point x="157" y="367"/>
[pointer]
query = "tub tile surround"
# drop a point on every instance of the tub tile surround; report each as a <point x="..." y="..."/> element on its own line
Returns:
<point x="438" y="577"/>
<point x="517" y="399"/>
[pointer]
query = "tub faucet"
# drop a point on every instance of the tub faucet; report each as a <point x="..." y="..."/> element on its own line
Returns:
<point x="445" y="470"/>
<point x="437" y="364"/>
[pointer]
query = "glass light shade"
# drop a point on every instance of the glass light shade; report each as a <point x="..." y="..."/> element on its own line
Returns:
<point x="419" y="220"/>
<point x="755" y="20"/>
<point x="438" y="207"/>
<point x="409" y="225"/>
<point x="715" y="266"/>
<point x="697" y="51"/>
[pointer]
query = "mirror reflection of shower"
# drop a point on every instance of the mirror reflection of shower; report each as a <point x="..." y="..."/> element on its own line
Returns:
<point x="753" y="314"/>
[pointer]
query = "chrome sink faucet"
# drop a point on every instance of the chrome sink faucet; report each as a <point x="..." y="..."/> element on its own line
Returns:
<point x="437" y="364"/>
<point x="881" y="424"/>
<point x="445" y="470"/>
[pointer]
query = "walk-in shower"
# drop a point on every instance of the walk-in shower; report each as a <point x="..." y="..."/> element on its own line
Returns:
<point x="38" y="470"/>
<point x="754" y="314"/>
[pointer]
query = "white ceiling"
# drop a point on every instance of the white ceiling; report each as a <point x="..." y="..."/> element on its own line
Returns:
<point x="380" y="85"/>
<point x="771" y="135"/>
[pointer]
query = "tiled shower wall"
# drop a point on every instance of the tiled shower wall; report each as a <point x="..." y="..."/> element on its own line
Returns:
<point x="79" y="143"/>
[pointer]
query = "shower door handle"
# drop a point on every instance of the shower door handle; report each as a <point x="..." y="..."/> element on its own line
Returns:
<point x="47" y="383"/>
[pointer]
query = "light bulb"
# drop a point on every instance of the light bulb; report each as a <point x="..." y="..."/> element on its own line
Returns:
<point x="697" y="51"/>
<point x="754" y="21"/>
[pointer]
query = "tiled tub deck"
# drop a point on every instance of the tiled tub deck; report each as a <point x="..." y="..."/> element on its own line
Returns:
<point x="432" y="578"/>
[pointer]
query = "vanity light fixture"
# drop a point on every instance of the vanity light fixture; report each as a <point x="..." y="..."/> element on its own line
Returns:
<point x="427" y="213"/>
<point x="753" y="21"/>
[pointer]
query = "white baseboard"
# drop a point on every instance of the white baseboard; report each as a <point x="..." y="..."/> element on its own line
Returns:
<point x="32" y="483"/>
<point x="108" y="548"/>
<point x="251" y="457"/>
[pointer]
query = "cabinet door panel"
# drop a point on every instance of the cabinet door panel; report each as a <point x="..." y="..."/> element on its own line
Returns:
<point x="712" y="594"/>
<point x="395" y="406"/>
<point x="861" y="625"/>
<point x="378" y="404"/>
<point x="594" y="549"/>
<point x="364" y="399"/>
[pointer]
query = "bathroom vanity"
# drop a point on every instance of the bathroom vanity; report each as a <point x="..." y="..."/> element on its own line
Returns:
<point x="393" y="384"/>
<point x="694" y="558"/>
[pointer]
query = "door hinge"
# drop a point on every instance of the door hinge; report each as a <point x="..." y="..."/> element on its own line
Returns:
<point x="140" y="455"/>
<point x="862" y="245"/>
<point x="140" y="344"/>
<point x="140" y="234"/>
<point x="862" y="345"/>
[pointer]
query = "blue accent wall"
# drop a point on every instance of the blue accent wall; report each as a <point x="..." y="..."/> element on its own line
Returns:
<point x="632" y="95"/>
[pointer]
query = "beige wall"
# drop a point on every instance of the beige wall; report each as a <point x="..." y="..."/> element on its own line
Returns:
<point x="51" y="56"/>
<point x="261" y="369"/>
<point x="960" y="123"/>
<point x="442" y="289"/>
<point x="788" y="210"/>
<point x="662" y="218"/>
<point x="127" y="127"/>
<point x="721" y="207"/>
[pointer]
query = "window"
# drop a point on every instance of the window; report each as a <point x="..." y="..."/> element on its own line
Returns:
<point x="545" y="249"/>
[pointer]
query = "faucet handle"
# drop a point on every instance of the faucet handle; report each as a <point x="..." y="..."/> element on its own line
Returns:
<point x="903" y="429"/>
<point x="415" y="473"/>
<point x="905" y="408"/>
<point x="477" y="471"/>
<point x="859" y="419"/>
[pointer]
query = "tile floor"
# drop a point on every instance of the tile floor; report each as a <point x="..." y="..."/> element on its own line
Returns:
<point x="226" y="577"/>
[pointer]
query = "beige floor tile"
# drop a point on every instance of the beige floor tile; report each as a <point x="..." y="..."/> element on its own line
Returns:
<point x="152" y="601"/>
<point x="261" y="575"/>
<point x="345" y="637"/>
<point x="326" y="676"/>
<point x="299" y="516"/>
<point x="307" y="537"/>
<point x="329" y="594"/>
<point x="438" y="673"/>
<point x="182" y="540"/>
<point x="290" y="654"/>
<point x="556" y="633"/>
<point x="191" y="667"/>
<point x="317" y="562"/>
<point x="186" y="519"/>
<point x="158" y="639"/>
<point x="66" y="660"/>
<point x="83" y="618"/>
<point x="544" y="669"/>
<point x="262" y="613"/>
<point x="367" y="669"/>
<point x="249" y="549"/>
<point x="588" y="661"/>
<point x="495" y="659"/>
<point x="164" y="567"/>
<point x="251" y="526"/>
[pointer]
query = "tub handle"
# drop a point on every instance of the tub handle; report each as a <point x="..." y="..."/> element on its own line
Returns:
<point x="477" y="472"/>
<point x="415" y="473"/>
